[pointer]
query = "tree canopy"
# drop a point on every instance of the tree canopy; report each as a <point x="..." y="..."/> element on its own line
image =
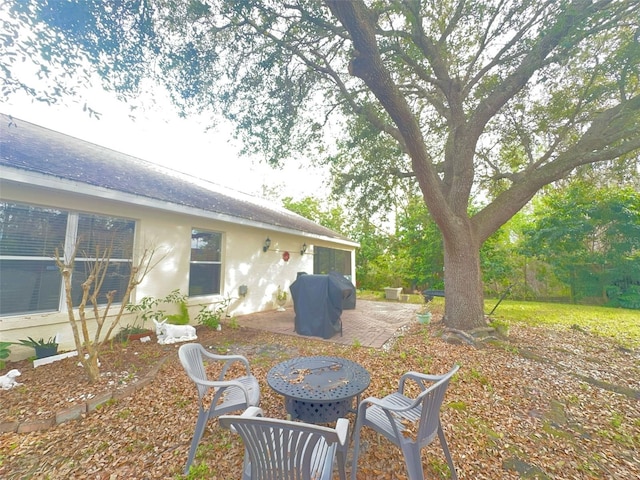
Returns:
<point x="591" y="238"/>
<point x="494" y="96"/>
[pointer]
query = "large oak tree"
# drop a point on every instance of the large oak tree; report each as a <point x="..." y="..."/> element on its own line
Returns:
<point x="502" y="95"/>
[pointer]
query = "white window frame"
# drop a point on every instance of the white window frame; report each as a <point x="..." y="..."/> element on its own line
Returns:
<point x="218" y="261"/>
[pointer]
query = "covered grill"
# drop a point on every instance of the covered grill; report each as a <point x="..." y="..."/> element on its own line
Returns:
<point x="318" y="303"/>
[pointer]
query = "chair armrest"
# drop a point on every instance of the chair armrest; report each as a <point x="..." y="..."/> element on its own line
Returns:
<point x="217" y="356"/>
<point x="228" y="361"/>
<point x="222" y="385"/>
<point x="253" y="412"/>
<point x="420" y="378"/>
<point x="231" y="361"/>
<point x="386" y="405"/>
<point x="342" y="429"/>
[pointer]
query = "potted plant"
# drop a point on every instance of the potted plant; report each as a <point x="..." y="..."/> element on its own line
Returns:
<point x="43" y="348"/>
<point x="132" y="332"/>
<point x="281" y="298"/>
<point x="424" y="314"/>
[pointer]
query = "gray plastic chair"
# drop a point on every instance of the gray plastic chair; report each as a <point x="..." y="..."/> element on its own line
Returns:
<point x="391" y="415"/>
<point x="284" y="450"/>
<point x="229" y="395"/>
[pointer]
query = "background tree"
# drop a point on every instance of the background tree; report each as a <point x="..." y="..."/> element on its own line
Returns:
<point x="506" y="95"/>
<point x="372" y="271"/>
<point x="500" y="262"/>
<point x="419" y="242"/>
<point x="324" y="213"/>
<point x="590" y="236"/>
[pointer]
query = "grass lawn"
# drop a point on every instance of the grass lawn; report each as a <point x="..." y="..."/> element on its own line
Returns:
<point x="620" y="324"/>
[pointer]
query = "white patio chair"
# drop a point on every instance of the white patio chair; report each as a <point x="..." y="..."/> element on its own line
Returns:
<point x="284" y="450"/>
<point x="408" y="423"/>
<point x="229" y="395"/>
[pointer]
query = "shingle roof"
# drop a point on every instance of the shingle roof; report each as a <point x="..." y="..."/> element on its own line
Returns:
<point x="32" y="148"/>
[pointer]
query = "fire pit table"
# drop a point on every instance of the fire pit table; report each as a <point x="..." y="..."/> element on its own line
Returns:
<point x="318" y="389"/>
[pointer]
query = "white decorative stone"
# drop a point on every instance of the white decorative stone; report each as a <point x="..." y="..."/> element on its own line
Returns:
<point x="86" y="357"/>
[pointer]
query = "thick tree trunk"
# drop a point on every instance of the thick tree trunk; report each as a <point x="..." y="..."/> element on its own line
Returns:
<point x="464" y="298"/>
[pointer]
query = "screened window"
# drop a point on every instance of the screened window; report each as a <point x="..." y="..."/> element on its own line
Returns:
<point x="206" y="263"/>
<point x="327" y="260"/>
<point x="29" y="236"/>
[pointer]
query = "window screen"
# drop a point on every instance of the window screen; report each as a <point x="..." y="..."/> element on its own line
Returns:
<point x="327" y="260"/>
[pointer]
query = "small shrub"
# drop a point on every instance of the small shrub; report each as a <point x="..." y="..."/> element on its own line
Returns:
<point x="181" y="318"/>
<point x="281" y="295"/>
<point x="233" y="323"/>
<point x="148" y="308"/>
<point x="209" y="318"/>
<point x="4" y="350"/>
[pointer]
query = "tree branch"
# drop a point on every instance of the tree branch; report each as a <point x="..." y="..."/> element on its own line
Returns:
<point x="612" y="133"/>
<point x="367" y="65"/>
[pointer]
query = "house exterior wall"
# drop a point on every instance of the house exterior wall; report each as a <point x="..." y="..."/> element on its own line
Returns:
<point x="168" y="233"/>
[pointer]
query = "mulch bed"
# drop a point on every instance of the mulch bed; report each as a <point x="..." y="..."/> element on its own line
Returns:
<point x="544" y="404"/>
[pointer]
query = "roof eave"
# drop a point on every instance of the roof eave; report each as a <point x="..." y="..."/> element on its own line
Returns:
<point x="36" y="179"/>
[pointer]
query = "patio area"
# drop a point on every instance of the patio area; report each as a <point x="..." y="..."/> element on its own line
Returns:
<point x="370" y="324"/>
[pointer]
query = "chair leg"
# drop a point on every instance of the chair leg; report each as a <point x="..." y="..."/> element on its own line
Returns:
<point x="341" y="456"/>
<point x="246" y="466"/>
<point x="413" y="461"/>
<point x="447" y="454"/>
<point x="197" y="435"/>
<point x="356" y="450"/>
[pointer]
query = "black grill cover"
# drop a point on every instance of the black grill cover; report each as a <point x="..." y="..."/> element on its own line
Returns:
<point x="317" y="302"/>
<point x="348" y="290"/>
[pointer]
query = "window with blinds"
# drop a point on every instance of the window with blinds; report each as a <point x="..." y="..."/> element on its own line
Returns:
<point x="29" y="236"/>
<point x="206" y="263"/>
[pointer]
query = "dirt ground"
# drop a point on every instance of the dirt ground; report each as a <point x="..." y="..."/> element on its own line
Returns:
<point x="541" y="404"/>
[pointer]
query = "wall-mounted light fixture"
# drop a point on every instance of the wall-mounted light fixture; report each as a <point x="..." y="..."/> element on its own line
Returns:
<point x="303" y="249"/>
<point x="267" y="244"/>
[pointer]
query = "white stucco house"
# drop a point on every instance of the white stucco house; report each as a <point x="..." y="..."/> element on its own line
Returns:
<point x="214" y="243"/>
